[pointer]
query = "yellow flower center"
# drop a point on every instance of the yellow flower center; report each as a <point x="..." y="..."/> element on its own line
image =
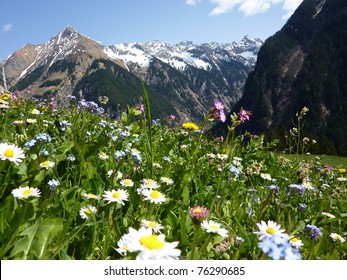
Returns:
<point x="45" y="163"/>
<point x="125" y="248"/>
<point x="151" y="242"/>
<point x="152" y="224"/>
<point x="88" y="211"/>
<point x="155" y="194"/>
<point x="295" y="239"/>
<point x="197" y="210"/>
<point x="9" y="153"/>
<point x="116" y="195"/>
<point x="270" y="230"/>
<point x="103" y="154"/>
<point x="214" y="227"/>
<point x="27" y="192"/>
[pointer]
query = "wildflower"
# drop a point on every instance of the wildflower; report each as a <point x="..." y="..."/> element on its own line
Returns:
<point x="198" y="213"/>
<point x="302" y="206"/>
<point x="222" y="156"/>
<point x="47" y="164"/>
<point x="123" y="246"/>
<point x="29" y="144"/>
<point x="119" y="155"/>
<point x="11" y="152"/>
<point x="297" y="188"/>
<point x="152" y="225"/>
<point x="278" y="247"/>
<point x="103" y="156"/>
<point x="127" y="183"/>
<point x="166" y="180"/>
<point x="153" y="196"/>
<point x="44" y="137"/>
<point x="190" y="125"/>
<point x="213" y="227"/>
<point x="337" y="237"/>
<point x="35" y="112"/>
<point x="341" y="179"/>
<point x="118" y="196"/>
<point x="71" y="157"/>
<point x="18" y="123"/>
<point x="151" y="246"/>
<point x="25" y="192"/>
<point x="268" y="229"/>
<point x="31" y="121"/>
<point x="266" y="176"/>
<point x="149" y="184"/>
<point x="314" y="231"/>
<point x="91" y="196"/>
<point x="103" y="99"/>
<point x="235" y="171"/>
<point x="244" y="115"/>
<point x="342" y="170"/>
<point x="53" y="183"/>
<point x="307" y="184"/>
<point x="273" y="188"/>
<point x="329" y="215"/>
<point x="87" y="211"/>
<point x="295" y="242"/>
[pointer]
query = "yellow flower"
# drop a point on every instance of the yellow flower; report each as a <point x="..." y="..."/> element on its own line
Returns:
<point x="190" y="125"/>
<point x="342" y="170"/>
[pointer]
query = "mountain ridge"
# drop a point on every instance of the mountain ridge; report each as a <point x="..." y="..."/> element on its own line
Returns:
<point x="185" y="73"/>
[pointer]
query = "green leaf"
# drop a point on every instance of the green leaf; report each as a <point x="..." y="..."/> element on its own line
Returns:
<point x="37" y="239"/>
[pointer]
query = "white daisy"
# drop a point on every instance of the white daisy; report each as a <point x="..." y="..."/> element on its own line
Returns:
<point x="127" y="183"/>
<point x="31" y="120"/>
<point x="329" y="215"/>
<point x="268" y="229"/>
<point x="91" y="196"/>
<point x="47" y="164"/>
<point x="153" y="196"/>
<point x="35" y="112"/>
<point x="266" y="176"/>
<point x="150" y="246"/>
<point x="213" y="227"/>
<point x="123" y="246"/>
<point x="296" y="242"/>
<point x="11" y="152"/>
<point x="149" y="184"/>
<point x="337" y="237"/>
<point x="166" y="180"/>
<point x="103" y="155"/>
<point x="118" y="196"/>
<point x="222" y="156"/>
<point x="87" y="211"/>
<point x="152" y="224"/>
<point x="25" y="192"/>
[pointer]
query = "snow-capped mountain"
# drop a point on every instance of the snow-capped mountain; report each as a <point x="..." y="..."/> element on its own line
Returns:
<point x="179" y="56"/>
<point x="189" y="76"/>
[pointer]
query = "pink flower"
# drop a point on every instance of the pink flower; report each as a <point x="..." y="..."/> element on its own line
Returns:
<point x="198" y="213"/>
<point x="222" y="116"/>
<point x="219" y="105"/>
<point x="244" y="115"/>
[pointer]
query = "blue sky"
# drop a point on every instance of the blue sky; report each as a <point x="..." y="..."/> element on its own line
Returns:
<point x="116" y="21"/>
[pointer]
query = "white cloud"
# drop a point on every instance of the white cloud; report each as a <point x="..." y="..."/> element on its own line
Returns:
<point x="192" y="2"/>
<point x="7" y="27"/>
<point x="252" y="7"/>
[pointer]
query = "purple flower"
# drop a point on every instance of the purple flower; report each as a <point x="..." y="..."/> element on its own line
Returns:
<point x="218" y="105"/>
<point x="314" y="232"/>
